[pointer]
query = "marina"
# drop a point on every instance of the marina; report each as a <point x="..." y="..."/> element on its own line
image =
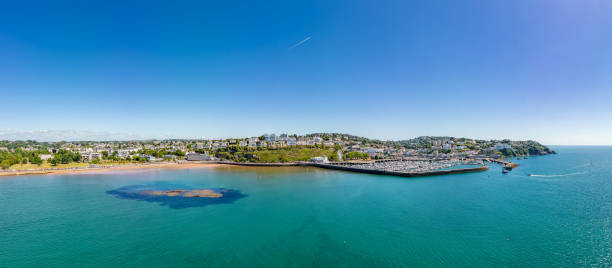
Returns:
<point x="415" y="165"/>
<point x="401" y="168"/>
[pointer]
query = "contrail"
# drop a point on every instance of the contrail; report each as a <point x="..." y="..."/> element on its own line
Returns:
<point x="300" y="43"/>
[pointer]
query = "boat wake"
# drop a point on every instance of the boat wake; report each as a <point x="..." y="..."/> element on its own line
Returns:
<point x="557" y="175"/>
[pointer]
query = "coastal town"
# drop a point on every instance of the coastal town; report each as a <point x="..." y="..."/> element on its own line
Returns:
<point x="414" y="155"/>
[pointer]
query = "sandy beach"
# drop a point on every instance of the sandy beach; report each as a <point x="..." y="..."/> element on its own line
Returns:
<point x="121" y="167"/>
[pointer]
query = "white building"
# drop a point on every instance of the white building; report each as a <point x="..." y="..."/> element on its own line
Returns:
<point x="124" y="153"/>
<point x="501" y="146"/>
<point x="372" y="151"/>
<point x="271" y="137"/>
<point x="291" y="141"/>
<point x="45" y="156"/>
<point x="198" y="157"/>
<point x="152" y="158"/>
<point x="91" y="156"/>
<point x="319" y="159"/>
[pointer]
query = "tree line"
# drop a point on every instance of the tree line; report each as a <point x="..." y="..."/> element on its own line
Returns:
<point x="19" y="156"/>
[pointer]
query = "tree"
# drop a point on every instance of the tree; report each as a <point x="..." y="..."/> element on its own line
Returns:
<point x="356" y="155"/>
<point x="6" y="164"/>
<point x="283" y="158"/>
<point x="179" y="153"/>
<point x="65" y="158"/>
<point x="36" y="160"/>
<point x="53" y="161"/>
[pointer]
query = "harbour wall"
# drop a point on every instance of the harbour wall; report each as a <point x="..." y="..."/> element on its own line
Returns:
<point x="506" y="164"/>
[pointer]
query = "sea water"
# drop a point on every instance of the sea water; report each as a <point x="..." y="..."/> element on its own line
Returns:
<point x="552" y="210"/>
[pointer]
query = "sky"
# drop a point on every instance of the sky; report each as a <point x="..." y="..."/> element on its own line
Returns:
<point x="487" y="69"/>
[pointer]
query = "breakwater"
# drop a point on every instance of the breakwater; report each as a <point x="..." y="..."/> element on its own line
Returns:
<point x="505" y="164"/>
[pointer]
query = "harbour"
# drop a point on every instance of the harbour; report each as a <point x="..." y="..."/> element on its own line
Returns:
<point x="392" y="167"/>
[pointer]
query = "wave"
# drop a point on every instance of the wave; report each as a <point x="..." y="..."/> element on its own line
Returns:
<point x="557" y="175"/>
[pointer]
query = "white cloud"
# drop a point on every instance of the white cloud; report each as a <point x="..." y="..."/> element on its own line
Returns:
<point x="65" y="135"/>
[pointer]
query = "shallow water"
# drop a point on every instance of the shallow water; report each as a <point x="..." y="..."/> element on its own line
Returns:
<point x="561" y="215"/>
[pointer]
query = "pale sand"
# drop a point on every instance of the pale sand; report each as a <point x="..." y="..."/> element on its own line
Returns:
<point x="125" y="167"/>
<point x="186" y="193"/>
<point x="202" y="193"/>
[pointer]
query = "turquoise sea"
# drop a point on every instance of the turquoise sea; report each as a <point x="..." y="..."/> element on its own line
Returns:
<point x="279" y="217"/>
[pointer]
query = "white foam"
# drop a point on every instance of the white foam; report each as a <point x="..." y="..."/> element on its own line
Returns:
<point x="557" y="175"/>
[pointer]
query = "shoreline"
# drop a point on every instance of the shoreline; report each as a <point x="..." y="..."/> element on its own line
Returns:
<point x="212" y="164"/>
<point x="101" y="169"/>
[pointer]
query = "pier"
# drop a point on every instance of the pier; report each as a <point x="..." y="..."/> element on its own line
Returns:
<point x="505" y="164"/>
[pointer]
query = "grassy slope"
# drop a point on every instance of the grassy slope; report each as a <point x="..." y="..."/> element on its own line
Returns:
<point x="46" y="165"/>
<point x="288" y="155"/>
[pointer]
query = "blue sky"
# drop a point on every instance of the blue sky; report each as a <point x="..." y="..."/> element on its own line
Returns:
<point x="382" y="69"/>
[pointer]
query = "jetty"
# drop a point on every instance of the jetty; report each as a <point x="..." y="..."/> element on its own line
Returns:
<point x="505" y="164"/>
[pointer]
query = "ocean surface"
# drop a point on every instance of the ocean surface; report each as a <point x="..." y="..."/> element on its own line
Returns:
<point x="297" y="216"/>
